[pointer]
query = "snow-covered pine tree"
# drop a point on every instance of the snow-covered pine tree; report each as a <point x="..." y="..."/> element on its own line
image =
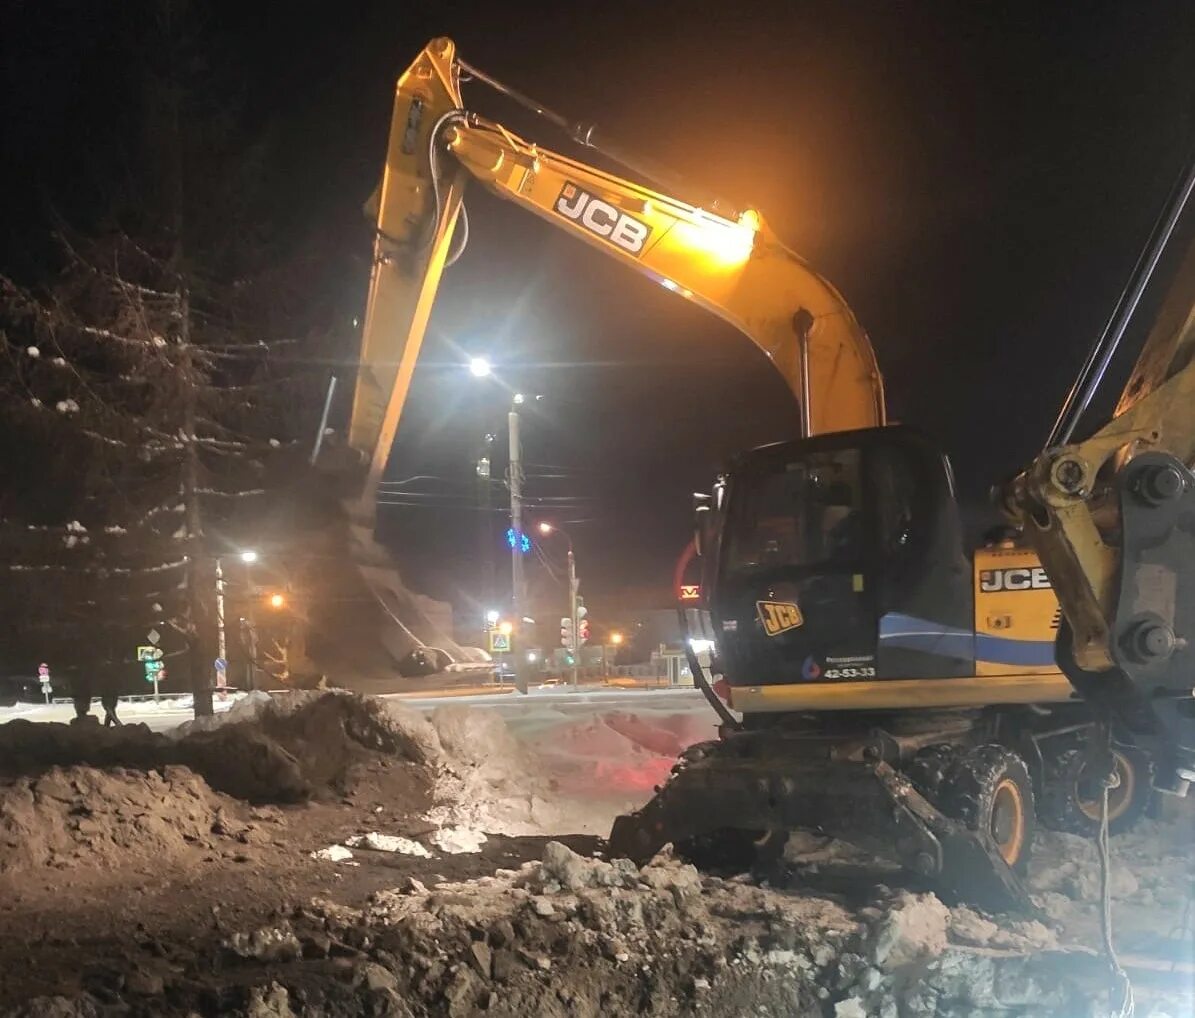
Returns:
<point x="149" y="412"/>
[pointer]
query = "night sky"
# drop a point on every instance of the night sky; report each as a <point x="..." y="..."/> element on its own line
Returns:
<point x="977" y="180"/>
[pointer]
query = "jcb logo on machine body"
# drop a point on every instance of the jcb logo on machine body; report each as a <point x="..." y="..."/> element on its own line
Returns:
<point x="779" y="616"/>
<point x="602" y="219"/>
<point x="1020" y="578"/>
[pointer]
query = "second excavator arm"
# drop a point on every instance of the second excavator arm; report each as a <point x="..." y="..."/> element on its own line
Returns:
<point x="735" y="268"/>
<point x="1112" y="517"/>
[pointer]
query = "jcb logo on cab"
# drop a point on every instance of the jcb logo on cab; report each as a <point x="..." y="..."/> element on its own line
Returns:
<point x="779" y="616"/>
<point x="603" y="219"/>
<point x="1025" y="578"/>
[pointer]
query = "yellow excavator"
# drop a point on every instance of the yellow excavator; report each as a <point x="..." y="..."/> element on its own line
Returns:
<point x="889" y="688"/>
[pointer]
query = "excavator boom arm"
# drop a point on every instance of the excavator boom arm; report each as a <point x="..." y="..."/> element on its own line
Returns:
<point x="737" y="270"/>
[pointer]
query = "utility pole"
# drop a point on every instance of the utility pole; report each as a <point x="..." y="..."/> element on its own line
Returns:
<point x="574" y="599"/>
<point x="221" y="638"/>
<point x="249" y="621"/>
<point x="573" y="586"/>
<point x="516" y="550"/>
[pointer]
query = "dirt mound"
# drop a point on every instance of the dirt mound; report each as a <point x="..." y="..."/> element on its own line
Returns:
<point x="263" y="751"/>
<point x="29" y="746"/>
<point x="84" y="816"/>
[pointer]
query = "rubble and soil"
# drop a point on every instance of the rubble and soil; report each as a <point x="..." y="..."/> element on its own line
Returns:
<point x="131" y="884"/>
<point x="578" y="936"/>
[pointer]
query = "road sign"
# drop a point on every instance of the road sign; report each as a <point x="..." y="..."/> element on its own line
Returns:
<point x="43" y="671"/>
<point x="153" y="636"/>
<point x="499" y="642"/>
<point x="221" y="665"/>
<point x="690" y="592"/>
<point x="149" y="653"/>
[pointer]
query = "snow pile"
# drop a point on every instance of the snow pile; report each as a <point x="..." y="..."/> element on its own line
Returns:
<point x="245" y="707"/>
<point x="561" y="773"/>
<point x="625" y="754"/>
<point x="388" y="843"/>
<point x="1152" y="885"/>
<point x="333" y="853"/>
<point x="80" y="816"/>
<point x="458" y="840"/>
<point x="1150" y="864"/>
<point x="485" y="779"/>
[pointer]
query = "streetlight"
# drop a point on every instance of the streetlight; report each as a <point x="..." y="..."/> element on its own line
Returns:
<point x="248" y="623"/>
<point x="547" y="528"/>
<point x="479" y="367"/>
<point x="492" y="616"/>
<point x="616" y="639"/>
<point x="277" y="601"/>
<point x="248" y="556"/>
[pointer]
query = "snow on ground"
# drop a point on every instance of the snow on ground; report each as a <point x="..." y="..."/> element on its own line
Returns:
<point x="560" y="762"/>
<point x="161" y="715"/>
<point x="1152" y="885"/>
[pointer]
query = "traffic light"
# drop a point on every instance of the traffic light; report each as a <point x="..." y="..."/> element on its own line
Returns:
<point x="584" y="627"/>
<point x="566" y="633"/>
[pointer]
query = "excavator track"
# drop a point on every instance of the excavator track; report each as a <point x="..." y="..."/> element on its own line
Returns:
<point x="764" y="781"/>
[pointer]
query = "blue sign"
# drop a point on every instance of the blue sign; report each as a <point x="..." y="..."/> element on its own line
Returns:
<point x="517" y="539"/>
<point x="221" y="665"/>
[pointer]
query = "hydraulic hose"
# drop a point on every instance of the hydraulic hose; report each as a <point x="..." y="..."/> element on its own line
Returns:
<point x="699" y="676"/>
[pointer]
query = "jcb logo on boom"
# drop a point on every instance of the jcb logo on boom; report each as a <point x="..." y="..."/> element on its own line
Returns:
<point x="603" y="219"/>
<point x="1023" y="578"/>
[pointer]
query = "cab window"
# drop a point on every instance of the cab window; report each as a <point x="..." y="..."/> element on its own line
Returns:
<point x="802" y="513"/>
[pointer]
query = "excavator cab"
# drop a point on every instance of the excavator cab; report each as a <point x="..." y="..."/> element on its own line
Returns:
<point x="840" y="558"/>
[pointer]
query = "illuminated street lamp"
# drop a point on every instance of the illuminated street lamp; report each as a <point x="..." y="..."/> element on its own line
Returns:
<point x="479" y="367"/>
<point x="492" y="616"/>
<point x="616" y="639"/>
<point x="248" y="557"/>
<point x="277" y="601"/>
